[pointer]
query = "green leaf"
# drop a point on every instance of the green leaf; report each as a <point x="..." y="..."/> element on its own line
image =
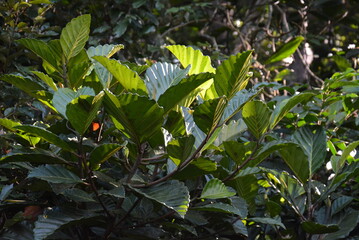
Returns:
<point x="219" y="207"/>
<point x="65" y="95"/>
<point x="208" y="114"/>
<point x="268" y="149"/>
<point x="230" y="131"/>
<point x="78" y="68"/>
<point x="55" y="218"/>
<point x="286" y="105"/>
<point x="172" y="194"/>
<point x="346" y="224"/>
<point x="297" y="160"/>
<point x="78" y="195"/>
<point x="75" y="35"/>
<point x="128" y="79"/>
<point x="125" y="111"/>
<point x="313" y="142"/>
<point x="45" y="135"/>
<point x="46" y="79"/>
<point x="232" y="75"/>
<point x="103" y="152"/>
<point x="189" y="56"/>
<point x="340" y="203"/>
<point x="270" y="221"/>
<point x="5" y="191"/>
<point x="25" y="84"/>
<point x="185" y="91"/>
<point x="54" y="174"/>
<point x="180" y="149"/>
<point x="41" y="49"/>
<point x="161" y="76"/>
<point x="82" y="111"/>
<point x="238" y="151"/>
<point x="215" y="189"/>
<point x="32" y="156"/>
<point x="205" y="164"/>
<point x="317" y="228"/>
<point x="12" y="126"/>
<point x="286" y="50"/>
<point x="346" y="153"/>
<point x="256" y="115"/>
<point x="118" y="192"/>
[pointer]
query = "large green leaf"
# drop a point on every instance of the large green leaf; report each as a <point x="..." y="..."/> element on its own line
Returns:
<point x="78" y="68"/>
<point x="270" y="221"/>
<point x="313" y="142"/>
<point x="103" y="152"/>
<point x="189" y="56"/>
<point x="297" y="160"/>
<point x="231" y="75"/>
<point x="128" y="79"/>
<point x="317" y="228"/>
<point x="340" y="203"/>
<point x="82" y="111"/>
<point x="184" y="92"/>
<point x="161" y="76"/>
<point x="215" y="189"/>
<point x="12" y="125"/>
<point x="45" y="135"/>
<point x="172" y="194"/>
<point x="286" y="50"/>
<point x="54" y="174"/>
<point x="286" y="105"/>
<point x="238" y="151"/>
<point x="346" y="224"/>
<point x="256" y="115"/>
<point x="55" y="218"/>
<point x="32" y="156"/>
<point x="75" y="35"/>
<point x="136" y="116"/>
<point x="208" y="114"/>
<point x="78" y="195"/>
<point x="25" y="84"/>
<point x="247" y="188"/>
<point x="46" y="79"/>
<point x="220" y="207"/>
<point x="180" y="149"/>
<point x="41" y="49"/>
<point x="346" y="152"/>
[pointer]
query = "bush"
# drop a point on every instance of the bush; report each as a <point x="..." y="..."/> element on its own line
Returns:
<point x="160" y="151"/>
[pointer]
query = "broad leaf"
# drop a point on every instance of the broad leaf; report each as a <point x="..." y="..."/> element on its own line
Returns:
<point x="75" y="35"/>
<point x="125" y="111"/>
<point x="103" y="152"/>
<point x="346" y="225"/>
<point x="185" y="91"/>
<point x="12" y="126"/>
<point x="45" y="135"/>
<point x="256" y="115"/>
<point x="180" y="149"/>
<point x="78" y="68"/>
<point x="161" y="76"/>
<point x="351" y="147"/>
<point x="78" y="195"/>
<point x="230" y="131"/>
<point x="32" y="156"/>
<point x="82" y="111"/>
<point x="55" y="218"/>
<point x="5" y="191"/>
<point x="215" y="189"/>
<point x="46" y="79"/>
<point x="172" y="194"/>
<point x="286" y="50"/>
<point x="247" y="188"/>
<point x="270" y="221"/>
<point x="231" y="75"/>
<point x="340" y="203"/>
<point x="54" y="174"/>
<point x="313" y="142"/>
<point x="286" y="105"/>
<point x="128" y="79"/>
<point x="317" y="228"/>
<point x="219" y="207"/>
<point x="238" y="151"/>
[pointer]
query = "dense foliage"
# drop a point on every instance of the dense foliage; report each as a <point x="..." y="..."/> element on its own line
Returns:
<point x="197" y="147"/>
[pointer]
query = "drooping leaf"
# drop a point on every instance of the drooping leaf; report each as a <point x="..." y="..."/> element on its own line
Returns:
<point x="180" y="149"/>
<point x="75" y="35"/>
<point x="317" y="228"/>
<point x="46" y="79"/>
<point x="286" y="50"/>
<point x="215" y="189"/>
<point x="313" y="142"/>
<point x="208" y="114"/>
<point x="128" y="79"/>
<point x="125" y="111"/>
<point x="82" y="111"/>
<point x="172" y="194"/>
<point x="55" y="218"/>
<point x="45" y="135"/>
<point x="161" y="76"/>
<point x="256" y="115"/>
<point x="188" y="56"/>
<point x="231" y="75"/>
<point x="12" y="126"/>
<point x="103" y="152"/>
<point x="54" y="174"/>
<point x="25" y="84"/>
<point x="185" y="91"/>
<point x="286" y="105"/>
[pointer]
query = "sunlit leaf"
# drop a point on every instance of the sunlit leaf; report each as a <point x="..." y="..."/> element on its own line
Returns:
<point x="215" y="189"/>
<point x="286" y="50"/>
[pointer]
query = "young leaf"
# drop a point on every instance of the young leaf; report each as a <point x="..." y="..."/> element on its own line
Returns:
<point x="54" y="174"/>
<point x="128" y="79"/>
<point x="231" y="75"/>
<point x="286" y="50"/>
<point x="75" y="35"/>
<point x="215" y="189"/>
<point x="103" y="152"/>
<point x="256" y="115"/>
<point x="172" y="194"/>
<point x="286" y="105"/>
<point x="313" y="142"/>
